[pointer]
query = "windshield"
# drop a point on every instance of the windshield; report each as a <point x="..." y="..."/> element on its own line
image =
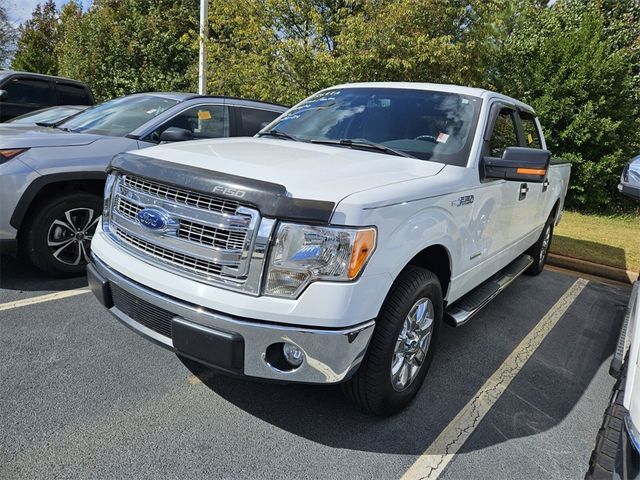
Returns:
<point x="118" y="117"/>
<point x="424" y="124"/>
<point x="48" y="115"/>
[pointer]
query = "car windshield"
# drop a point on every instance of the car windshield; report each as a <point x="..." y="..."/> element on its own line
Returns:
<point x="424" y="124"/>
<point x="118" y="117"/>
<point x="47" y="115"/>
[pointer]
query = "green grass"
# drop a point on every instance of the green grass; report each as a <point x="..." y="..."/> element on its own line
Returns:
<point x="608" y="240"/>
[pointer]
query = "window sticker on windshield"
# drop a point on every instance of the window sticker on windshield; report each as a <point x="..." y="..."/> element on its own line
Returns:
<point x="204" y="115"/>
<point x="530" y="139"/>
<point x="442" y="138"/>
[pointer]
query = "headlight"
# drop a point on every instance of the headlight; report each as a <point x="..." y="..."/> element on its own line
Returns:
<point x="302" y="254"/>
<point x="8" y="153"/>
<point x="108" y="190"/>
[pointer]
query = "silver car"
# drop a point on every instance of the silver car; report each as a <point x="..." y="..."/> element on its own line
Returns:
<point x="52" y="178"/>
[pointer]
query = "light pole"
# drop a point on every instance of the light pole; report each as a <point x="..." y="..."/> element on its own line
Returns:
<point x="202" y="57"/>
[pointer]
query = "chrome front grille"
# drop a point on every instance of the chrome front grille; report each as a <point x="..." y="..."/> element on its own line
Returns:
<point x="200" y="236"/>
<point x="193" y="264"/>
<point x="212" y="236"/>
<point x="180" y="195"/>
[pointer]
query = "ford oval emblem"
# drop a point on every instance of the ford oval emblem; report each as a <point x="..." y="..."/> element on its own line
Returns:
<point x="152" y="219"/>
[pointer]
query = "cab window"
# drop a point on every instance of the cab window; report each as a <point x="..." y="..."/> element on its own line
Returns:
<point x="504" y="133"/>
<point x="530" y="131"/>
<point x="29" y="91"/>
<point x="204" y="121"/>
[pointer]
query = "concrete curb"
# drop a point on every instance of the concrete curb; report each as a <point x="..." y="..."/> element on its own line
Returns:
<point x="605" y="271"/>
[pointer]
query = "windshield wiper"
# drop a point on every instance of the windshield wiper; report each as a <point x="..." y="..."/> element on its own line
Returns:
<point x="45" y="124"/>
<point x="278" y="134"/>
<point x="363" y="145"/>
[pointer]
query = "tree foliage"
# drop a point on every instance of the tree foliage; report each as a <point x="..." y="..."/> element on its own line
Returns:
<point x="7" y="36"/>
<point x="126" y="46"/>
<point x="37" y="39"/>
<point x="581" y="82"/>
<point x="576" y="61"/>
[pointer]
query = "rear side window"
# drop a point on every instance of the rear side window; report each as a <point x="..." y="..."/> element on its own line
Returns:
<point x="530" y="131"/>
<point x="29" y="91"/>
<point x="252" y="120"/>
<point x="504" y="133"/>
<point x="73" y="95"/>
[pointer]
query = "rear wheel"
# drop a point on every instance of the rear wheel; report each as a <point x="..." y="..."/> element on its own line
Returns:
<point x="539" y="251"/>
<point x="402" y="345"/>
<point x="57" y="238"/>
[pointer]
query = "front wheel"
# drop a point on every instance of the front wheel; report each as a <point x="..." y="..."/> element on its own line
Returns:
<point x="402" y="345"/>
<point x="57" y="238"/>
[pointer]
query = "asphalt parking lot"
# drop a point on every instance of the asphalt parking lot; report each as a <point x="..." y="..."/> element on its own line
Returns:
<point x="84" y="397"/>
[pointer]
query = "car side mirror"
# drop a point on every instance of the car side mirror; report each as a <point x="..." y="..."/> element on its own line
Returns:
<point x="175" y="134"/>
<point x="4" y="95"/>
<point x="519" y="164"/>
<point x="630" y="180"/>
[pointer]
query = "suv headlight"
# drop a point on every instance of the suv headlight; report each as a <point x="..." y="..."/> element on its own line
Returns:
<point x="302" y="254"/>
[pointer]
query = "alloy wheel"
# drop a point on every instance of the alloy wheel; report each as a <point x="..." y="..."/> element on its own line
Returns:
<point x="69" y="237"/>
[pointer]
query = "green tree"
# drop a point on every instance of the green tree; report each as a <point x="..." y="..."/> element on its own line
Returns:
<point x="127" y="46"/>
<point x="581" y="83"/>
<point x="37" y="39"/>
<point x="7" y="36"/>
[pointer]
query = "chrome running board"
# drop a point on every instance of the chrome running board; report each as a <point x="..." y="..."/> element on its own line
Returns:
<point x="466" y="307"/>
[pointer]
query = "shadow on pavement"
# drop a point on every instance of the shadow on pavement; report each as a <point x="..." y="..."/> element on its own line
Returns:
<point x="551" y="382"/>
<point x="18" y="274"/>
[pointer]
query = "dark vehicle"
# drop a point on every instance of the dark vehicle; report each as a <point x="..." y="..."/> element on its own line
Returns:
<point x="47" y="116"/>
<point x="23" y="92"/>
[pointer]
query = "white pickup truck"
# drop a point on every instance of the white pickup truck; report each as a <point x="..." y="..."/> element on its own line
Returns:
<point x="331" y="247"/>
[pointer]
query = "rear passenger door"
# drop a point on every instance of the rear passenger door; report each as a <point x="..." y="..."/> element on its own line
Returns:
<point x="250" y="121"/>
<point x="25" y="95"/>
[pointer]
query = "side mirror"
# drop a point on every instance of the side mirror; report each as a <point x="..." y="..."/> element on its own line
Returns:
<point x="519" y="164"/>
<point x="4" y="95"/>
<point x="175" y="134"/>
<point x="630" y="180"/>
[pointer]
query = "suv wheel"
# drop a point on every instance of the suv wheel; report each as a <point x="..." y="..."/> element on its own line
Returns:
<point x="58" y="236"/>
<point x="402" y="345"/>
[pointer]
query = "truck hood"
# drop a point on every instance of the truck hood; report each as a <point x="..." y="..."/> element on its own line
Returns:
<point x="310" y="171"/>
<point x="18" y="136"/>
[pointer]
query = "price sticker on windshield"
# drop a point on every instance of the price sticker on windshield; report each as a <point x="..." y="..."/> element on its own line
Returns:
<point x="442" y="138"/>
<point x="204" y="115"/>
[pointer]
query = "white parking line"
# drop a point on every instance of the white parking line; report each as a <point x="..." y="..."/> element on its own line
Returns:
<point x="43" y="298"/>
<point x="434" y="460"/>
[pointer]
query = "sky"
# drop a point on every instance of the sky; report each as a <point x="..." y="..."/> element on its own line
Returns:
<point x="20" y="10"/>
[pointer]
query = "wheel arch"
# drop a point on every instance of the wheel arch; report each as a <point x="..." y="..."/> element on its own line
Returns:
<point x="437" y="259"/>
<point x="58" y="183"/>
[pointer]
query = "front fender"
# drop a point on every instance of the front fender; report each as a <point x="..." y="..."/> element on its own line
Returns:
<point x="427" y="227"/>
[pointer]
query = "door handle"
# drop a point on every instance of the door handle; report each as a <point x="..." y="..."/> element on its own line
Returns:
<point x="545" y="184"/>
<point x="524" y="189"/>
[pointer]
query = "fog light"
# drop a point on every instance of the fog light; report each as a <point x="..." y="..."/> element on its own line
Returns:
<point x="292" y="354"/>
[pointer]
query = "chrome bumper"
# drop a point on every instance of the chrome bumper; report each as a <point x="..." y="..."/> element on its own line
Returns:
<point x="330" y="356"/>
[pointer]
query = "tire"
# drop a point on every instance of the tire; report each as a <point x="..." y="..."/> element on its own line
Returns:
<point x="602" y="463"/>
<point x="374" y="387"/>
<point x="539" y="251"/>
<point x="57" y="237"/>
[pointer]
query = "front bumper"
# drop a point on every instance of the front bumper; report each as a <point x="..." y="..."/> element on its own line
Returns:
<point x="629" y="190"/>
<point x="236" y="345"/>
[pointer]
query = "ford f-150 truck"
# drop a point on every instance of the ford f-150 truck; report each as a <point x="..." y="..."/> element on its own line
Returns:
<point x="331" y="247"/>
